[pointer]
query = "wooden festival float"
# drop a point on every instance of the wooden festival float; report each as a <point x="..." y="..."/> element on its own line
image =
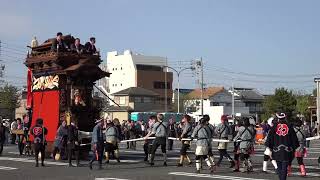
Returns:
<point x="60" y="87"/>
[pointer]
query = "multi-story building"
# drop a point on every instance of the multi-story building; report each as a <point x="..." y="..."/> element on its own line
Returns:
<point x="136" y="70"/>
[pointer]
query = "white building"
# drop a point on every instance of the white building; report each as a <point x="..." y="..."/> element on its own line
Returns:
<point x="136" y="70"/>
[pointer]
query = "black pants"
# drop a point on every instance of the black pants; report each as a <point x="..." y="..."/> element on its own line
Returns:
<point x="74" y="150"/>
<point x="98" y="154"/>
<point x="13" y="138"/>
<point x="159" y="141"/>
<point x="223" y="153"/>
<point x="1" y="147"/>
<point x="39" y="147"/>
<point x="20" y="144"/>
<point x="282" y="169"/>
<point x="184" y="149"/>
<point x="170" y="144"/>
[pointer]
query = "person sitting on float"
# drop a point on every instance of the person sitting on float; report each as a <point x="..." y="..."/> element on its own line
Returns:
<point x="58" y="44"/>
<point x="77" y="46"/>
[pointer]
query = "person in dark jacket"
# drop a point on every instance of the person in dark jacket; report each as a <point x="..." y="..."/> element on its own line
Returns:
<point x="77" y="46"/>
<point x="97" y="143"/>
<point x="73" y="143"/>
<point x="39" y="133"/>
<point x="60" y="140"/>
<point x="2" y="136"/>
<point x="172" y="133"/>
<point x="90" y="47"/>
<point x="283" y="142"/>
<point x="58" y="44"/>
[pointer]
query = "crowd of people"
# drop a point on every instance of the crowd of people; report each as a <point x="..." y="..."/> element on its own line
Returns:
<point x="284" y="141"/>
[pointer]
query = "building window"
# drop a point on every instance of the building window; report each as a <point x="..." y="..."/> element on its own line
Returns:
<point x="161" y="85"/>
<point x="120" y="84"/>
<point x="137" y="99"/>
<point x="147" y="99"/>
<point x="121" y="68"/>
<point x="122" y="101"/>
<point x="148" y="67"/>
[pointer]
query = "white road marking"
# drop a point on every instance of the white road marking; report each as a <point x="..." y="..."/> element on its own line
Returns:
<point x="109" y="179"/>
<point x="7" y="168"/>
<point x="211" y="176"/>
<point x="298" y="174"/>
<point x="32" y="161"/>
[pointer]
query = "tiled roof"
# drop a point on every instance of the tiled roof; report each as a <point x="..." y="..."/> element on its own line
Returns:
<point x="250" y="95"/>
<point x="207" y="92"/>
<point x="135" y="91"/>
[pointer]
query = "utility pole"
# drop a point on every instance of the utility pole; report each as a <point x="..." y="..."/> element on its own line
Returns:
<point x="199" y="65"/>
<point x="165" y="86"/>
<point x="232" y="89"/>
<point x="201" y="62"/>
<point x="317" y="80"/>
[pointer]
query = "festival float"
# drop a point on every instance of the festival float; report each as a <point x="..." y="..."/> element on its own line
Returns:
<point x="60" y="87"/>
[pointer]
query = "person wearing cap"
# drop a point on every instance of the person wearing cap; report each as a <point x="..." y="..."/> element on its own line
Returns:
<point x="58" y="43"/>
<point x="283" y="142"/>
<point x="203" y="135"/>
<point x="73" y="143"/>
<point x="39" y="132"/>
<point x="97" y="143"/>
<point x="160" y="131"/>
<point x="212" y="128"/>
<point x="186" y="133"/>
<point x="246" y="137"/>
<point x="90" y="46"/>
<point x="223" y="131"/>
<point x="112" y="139"/>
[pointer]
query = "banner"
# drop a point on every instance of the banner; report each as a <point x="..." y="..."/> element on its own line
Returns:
<point x="29" y="89"/>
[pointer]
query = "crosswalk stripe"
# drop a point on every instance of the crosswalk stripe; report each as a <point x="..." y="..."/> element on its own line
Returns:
<point x="109" y="179"/>
<point x="31" y="161"/>
<point x="298" y="174"/>
<point x="212" y="176"/>
<point x="7" y="168"/>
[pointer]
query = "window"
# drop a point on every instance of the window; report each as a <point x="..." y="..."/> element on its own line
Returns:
<point x="147" y="99"/>
<point x="161" y="85"/>
<point x="122" y="100"/>
<point x="137" y="99"/>
<point x="120" y="84"/>
<point x="148" y="67"/>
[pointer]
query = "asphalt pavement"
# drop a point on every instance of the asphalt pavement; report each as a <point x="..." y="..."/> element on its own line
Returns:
<point x="132" y="167"/>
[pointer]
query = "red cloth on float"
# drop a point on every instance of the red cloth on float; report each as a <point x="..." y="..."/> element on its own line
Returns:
<point x="46" y="106"/>
<point x="29" y="89"/>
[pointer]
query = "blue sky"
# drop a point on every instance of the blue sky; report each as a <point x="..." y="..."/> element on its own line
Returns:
<point x="272" y="41"/>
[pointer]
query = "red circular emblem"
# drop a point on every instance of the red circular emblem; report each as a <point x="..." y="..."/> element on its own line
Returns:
<point x="282" y="129"/>
<point x="37" y="131"/>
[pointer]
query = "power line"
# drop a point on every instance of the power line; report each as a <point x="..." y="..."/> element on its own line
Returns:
<point x="13" y="52"/>
<point x="221" y="69"/>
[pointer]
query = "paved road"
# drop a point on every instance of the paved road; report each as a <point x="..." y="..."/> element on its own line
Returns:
<point x="132" y="167"/>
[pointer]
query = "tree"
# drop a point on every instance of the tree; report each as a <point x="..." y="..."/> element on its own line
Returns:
<point x="282" y="101"/>
<point x="9" y="98"/>
<point x="303" y="102"/>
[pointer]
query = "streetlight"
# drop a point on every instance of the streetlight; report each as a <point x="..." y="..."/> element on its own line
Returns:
<point x="178" y="75"/>
<point x="317" y="80"/>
